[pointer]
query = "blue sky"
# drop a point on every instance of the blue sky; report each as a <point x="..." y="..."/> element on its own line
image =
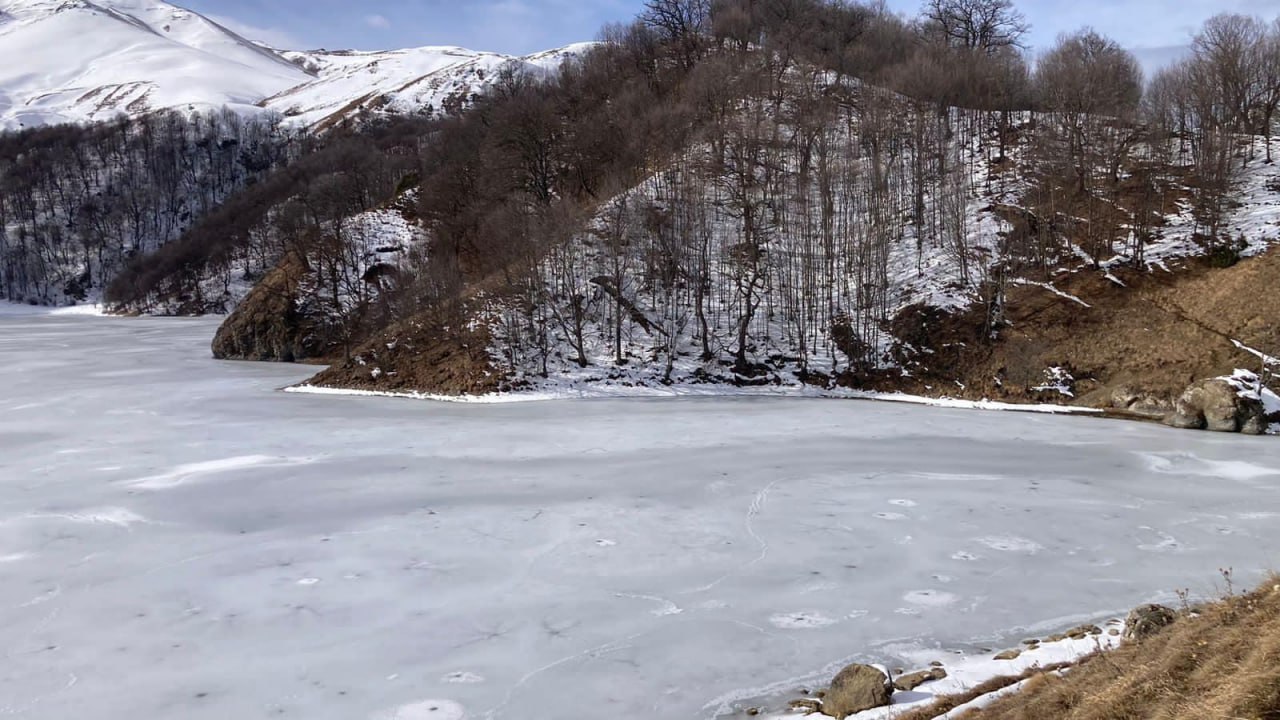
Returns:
<point x="524" y="26"/>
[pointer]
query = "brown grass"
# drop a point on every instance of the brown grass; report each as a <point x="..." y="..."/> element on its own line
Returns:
<point x="1222" y="664"/>
<point x="1157" y="335"/>
<point x="951" y="702"/>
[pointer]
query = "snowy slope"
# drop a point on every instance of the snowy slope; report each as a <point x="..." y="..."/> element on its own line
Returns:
<point x="415" y="80"/>
<point x="85" y="60"/>
<point x="75" y="60"/>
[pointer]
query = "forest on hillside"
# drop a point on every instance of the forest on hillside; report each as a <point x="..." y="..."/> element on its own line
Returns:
<point x="734" y="188"/>
<point x="78" y="203"/>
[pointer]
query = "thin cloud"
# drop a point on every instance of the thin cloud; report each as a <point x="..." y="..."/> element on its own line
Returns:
<point x="377" y="22"/>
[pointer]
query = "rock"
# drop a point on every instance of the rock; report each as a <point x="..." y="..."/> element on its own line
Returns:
<point x="1113" y="632"/>
<point x="1147" y="620"/>
<point x="267" y="325"/>
<point x="1083" y="631"/>
<point x="855" y="689"/>
<point x="910" y="682"/>
<point x="1032" y="642"/>
<point x="1009" y="655"/>
<point x="753" y="711"/>
<point x="1139" y="402"/>
<point x="1256" y="425"/>
<point x="938" y="664"/>
<point x="807" y="705"/>
<point x="1215" y="404"/>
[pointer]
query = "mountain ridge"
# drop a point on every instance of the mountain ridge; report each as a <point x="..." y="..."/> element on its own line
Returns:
<point x="138" y="56"/>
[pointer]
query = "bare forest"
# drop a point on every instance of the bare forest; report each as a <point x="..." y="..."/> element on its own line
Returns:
<point x="735" y="190"/>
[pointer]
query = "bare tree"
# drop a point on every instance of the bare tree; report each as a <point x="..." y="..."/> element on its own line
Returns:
<point x="685" y="24"/>
<point x="1092" y="87"/>
<point x="981" y="25"/>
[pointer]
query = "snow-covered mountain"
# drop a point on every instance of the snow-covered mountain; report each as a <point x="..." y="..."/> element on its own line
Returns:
<point x="85" y="60"/>
<point x="77" y="60"/>
<point x="401" y="81"/>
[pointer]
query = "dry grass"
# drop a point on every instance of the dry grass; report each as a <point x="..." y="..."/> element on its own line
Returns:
<point x="1223" y="664"/>
<point x="951" y="702"/>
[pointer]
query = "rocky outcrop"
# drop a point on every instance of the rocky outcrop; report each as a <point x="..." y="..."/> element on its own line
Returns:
<point x="1147" y="620"/>
<point x="855" y="689"/>
<point x="267" y="326"/>
<point x="1217" y="405"/>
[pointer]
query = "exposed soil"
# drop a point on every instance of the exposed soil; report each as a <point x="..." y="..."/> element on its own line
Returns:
<point x="1155" y="335"/>
<point x="438" y="353"/>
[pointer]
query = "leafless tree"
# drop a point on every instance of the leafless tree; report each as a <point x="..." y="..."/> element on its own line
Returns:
<point x="981" y="25"/>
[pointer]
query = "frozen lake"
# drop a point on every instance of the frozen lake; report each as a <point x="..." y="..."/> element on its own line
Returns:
<point x="178" y="540"/>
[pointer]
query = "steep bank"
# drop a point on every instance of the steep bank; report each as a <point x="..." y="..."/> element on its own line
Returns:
<point x="1128" y="341"/>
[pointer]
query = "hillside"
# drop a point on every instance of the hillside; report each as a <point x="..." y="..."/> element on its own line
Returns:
<point x="836" y="200"/>
<point x="141" y="131"/>
<point x="683" y="209"/>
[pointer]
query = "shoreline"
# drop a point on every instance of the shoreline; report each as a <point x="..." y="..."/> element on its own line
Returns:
<point x="606" y="392"/>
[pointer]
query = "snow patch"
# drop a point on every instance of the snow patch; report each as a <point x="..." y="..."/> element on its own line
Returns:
<point x="118" y="516"/>
<point x="803" y="620"/>
<point x="930" y="598"/>
<point x="1185" y="463"/>
<point x="426" y="710"/>
<point x="195" y="472"/>
<point x="1011" y="544"/>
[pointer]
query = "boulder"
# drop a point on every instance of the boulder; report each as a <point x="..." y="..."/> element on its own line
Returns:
<point x="1215" y="404"/>
<point x="855" y="689"/>
<point x="1009" y="655"/>
<point x="1147" y="620"/>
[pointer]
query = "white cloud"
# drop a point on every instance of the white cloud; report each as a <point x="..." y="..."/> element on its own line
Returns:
<point x="378" y="22"/>
<point x="279" y="39"/>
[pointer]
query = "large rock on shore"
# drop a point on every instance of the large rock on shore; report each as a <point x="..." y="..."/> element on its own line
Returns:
<point x="855" y="689"/>
<point x="1216" y="404"/>
<point x="1147" y="620"/>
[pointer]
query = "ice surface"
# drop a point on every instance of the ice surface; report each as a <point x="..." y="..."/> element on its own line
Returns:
<point x="179" y="540"/>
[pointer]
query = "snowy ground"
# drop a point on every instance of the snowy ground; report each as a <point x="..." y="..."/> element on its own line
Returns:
<point x="177" y="540"/>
